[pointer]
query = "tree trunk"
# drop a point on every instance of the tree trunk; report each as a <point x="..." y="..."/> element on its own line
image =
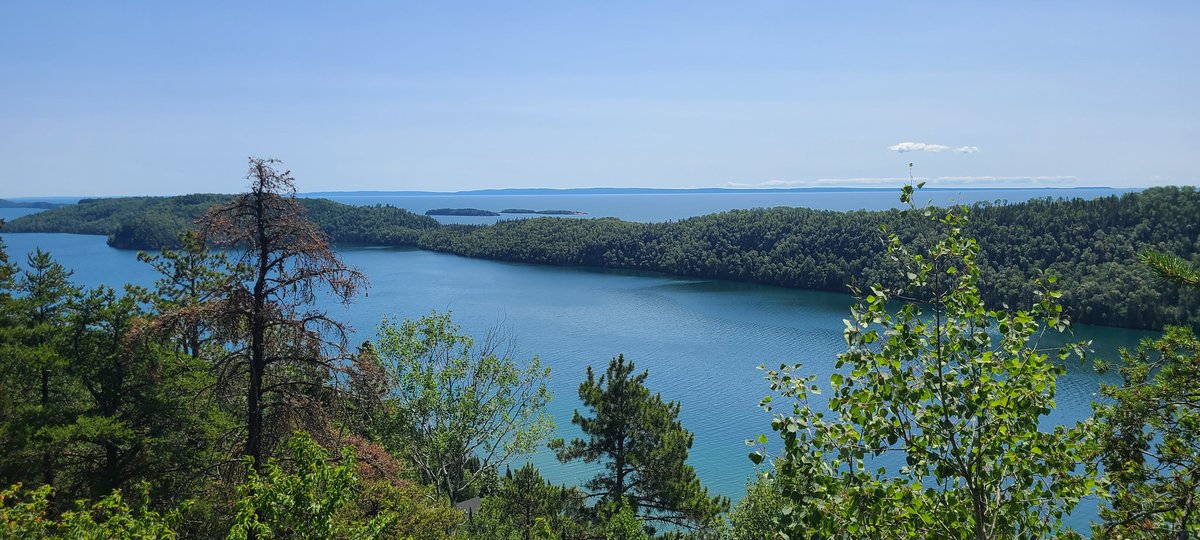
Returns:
<point x="979" y="508"/>
<point x="258" y="330"/>
<point x="47" y="455"/>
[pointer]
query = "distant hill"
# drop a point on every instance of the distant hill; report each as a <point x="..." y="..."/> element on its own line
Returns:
<point x="460" y="212"/>
<point x="5" y="203"/>
<point x="156" y="222"/>
<point x="637" y="191"/>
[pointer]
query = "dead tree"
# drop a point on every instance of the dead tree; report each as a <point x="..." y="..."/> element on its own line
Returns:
<point x="279" y="343"/>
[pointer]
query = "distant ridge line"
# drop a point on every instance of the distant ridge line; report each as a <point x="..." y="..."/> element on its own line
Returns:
<point x="643" y="191"/>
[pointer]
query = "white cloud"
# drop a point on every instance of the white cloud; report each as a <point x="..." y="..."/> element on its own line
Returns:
<point x="927" y="147"/>
<point x="940" y="181"/>
<point x="918" y="147"/>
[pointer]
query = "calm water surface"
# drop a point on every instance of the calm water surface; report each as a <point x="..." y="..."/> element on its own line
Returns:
<point x="700" y="340"/>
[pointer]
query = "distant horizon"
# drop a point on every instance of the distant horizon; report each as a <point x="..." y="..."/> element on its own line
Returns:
<point x="500" y="192"/>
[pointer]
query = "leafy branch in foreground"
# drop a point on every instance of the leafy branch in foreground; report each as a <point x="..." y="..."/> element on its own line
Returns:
<point x="933" y="428"/>
<point x="1172" y="268"/>
<point x="1148" y="431"/>
<point x="1148" y="441"/>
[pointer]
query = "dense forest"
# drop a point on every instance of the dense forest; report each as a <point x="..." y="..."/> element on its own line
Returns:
<point x="157" y="222"/>
<point x="224" y="403"/>
<point x="1088" y="244"/>
<point x="460" y="212"/>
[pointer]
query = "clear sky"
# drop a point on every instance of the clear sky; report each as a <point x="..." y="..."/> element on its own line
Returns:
<point x="111" y="98"/>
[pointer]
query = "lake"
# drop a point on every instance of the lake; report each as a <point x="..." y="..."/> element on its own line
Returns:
<point x="701" y="340"/>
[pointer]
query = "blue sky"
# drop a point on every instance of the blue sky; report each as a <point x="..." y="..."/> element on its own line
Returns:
<point x="109" y="98"/>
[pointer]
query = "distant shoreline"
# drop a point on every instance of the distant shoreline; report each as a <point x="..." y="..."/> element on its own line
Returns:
<point x="65" y="200"/>
<point x="648" y="191"/>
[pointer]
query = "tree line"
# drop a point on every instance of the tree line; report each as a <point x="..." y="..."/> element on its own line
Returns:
<point x="1091" y="245"/>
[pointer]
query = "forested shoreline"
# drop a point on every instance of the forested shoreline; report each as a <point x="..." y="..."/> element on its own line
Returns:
<point x="1089" y="244"/>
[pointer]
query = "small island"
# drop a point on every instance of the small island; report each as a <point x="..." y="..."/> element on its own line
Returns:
<point x="543" y="212"/>
<point x="460" y="212"/>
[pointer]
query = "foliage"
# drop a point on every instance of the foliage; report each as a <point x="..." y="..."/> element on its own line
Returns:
<point x="419" y="513"/>
<point x="135" y="421"/>
<point x="38" y="397"/>
<point x="309" y="498"/>
<point x="24" y="514"/>
<point x="756" y="516"/>
<point x="156" y="222"/>
<point x="192" y="277"/>
<point x="525" y="506"/>
<point x="955" y="389"/>
<point x="459" y="408"/>
<point x="644" y="449"/>
<point x="1147" y="437"/>
<point x="89" y="407"/>
<point x="624" y="525"/>
<point x="1148" y="441"/>
<point x="1172" y="268"/>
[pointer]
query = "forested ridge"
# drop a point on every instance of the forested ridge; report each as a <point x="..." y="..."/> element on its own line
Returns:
<point x="156" y="222"/>
<point x="1088" y="244"/>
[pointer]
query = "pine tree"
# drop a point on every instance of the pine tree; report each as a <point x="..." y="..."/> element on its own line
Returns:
<point x="46" y="291"/>
<point x="644" y="448"/>
<point x="1148" y="430"/>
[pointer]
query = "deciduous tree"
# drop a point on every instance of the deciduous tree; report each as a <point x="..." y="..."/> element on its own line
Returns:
<point x="459" y="408"/>
<point x="934" y="428"/>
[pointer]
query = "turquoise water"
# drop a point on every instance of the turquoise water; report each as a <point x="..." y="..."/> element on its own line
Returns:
<point x="700" y="340"/>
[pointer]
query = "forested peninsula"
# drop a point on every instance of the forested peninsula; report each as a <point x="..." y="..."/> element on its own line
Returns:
<point x="1089" y="245"/>
<point x="5" y="203"/>
<point x="460" y="212"/>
